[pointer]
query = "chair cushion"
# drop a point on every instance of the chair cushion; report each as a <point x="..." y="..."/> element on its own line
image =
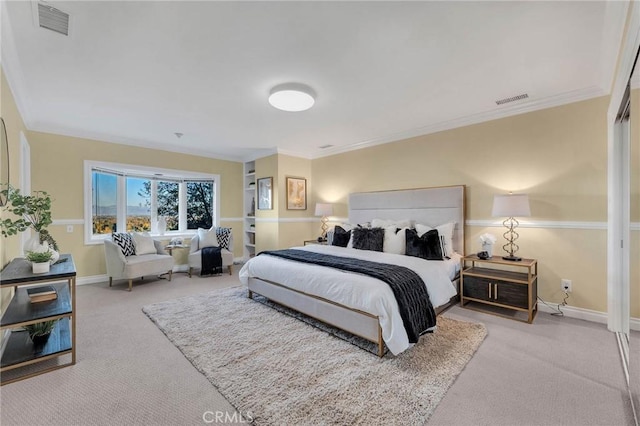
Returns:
<point x="144" y="243"/>
<point x="207" y="238"/>
<point x="147" y="264"/>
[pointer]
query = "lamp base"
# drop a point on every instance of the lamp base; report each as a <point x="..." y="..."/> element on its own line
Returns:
<point x="512" y="258"/>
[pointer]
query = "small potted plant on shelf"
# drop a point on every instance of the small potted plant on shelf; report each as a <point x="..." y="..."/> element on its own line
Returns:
<point x="40" y="332"/>
<point x="40" y="260"/>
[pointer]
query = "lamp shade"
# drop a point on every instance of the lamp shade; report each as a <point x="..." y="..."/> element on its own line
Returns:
<point x="324" y="209"/>
<point x="511" y="205"/>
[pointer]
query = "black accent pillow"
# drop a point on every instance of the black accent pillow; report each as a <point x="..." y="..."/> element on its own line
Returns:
<point x="368" y="238"/>
<point x="124" y="240"/>
<point x="340" y="237"/>
<point x="427" y="246"/>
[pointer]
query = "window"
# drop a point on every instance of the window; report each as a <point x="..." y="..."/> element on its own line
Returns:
<point x="199" y="204"/>
<point x="104" y="203"/>
<point x="138" y="204"/>
<point x="168" y="196"/>
<point x="124" y="197"/>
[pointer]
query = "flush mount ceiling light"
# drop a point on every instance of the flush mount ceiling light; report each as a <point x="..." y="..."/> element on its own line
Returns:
<point x="292" y="97"/>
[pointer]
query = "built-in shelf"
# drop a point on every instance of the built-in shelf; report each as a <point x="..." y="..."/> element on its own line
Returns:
<point x="249" y="202"/>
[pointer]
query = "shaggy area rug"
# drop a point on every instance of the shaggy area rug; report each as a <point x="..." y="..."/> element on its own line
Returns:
<point x="276" y="369"/>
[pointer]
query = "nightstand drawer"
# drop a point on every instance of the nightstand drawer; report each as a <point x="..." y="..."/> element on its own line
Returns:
<point x="506" y="293"/>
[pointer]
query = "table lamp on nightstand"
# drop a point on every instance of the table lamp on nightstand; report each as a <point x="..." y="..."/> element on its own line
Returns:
<point x="511" y="205"/>
<point x="324" y="210"/>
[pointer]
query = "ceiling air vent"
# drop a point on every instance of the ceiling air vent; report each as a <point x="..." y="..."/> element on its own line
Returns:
<point x="512" y="99"/>
<point x="53" y="19"/>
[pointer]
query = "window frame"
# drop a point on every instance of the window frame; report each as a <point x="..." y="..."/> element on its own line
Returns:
<point x="154" y="174"/>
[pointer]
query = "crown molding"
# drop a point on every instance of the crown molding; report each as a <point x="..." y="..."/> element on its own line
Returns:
<point x="102" y="137"/>
<point x="503" y="112"/>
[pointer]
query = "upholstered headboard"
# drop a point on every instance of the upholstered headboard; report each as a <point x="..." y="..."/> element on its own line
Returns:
<point x="429" y="206"/>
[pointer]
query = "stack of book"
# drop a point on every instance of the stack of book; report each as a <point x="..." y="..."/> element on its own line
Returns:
<point x="42" y="293"/>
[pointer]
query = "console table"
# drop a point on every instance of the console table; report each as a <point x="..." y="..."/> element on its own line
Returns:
<point x="20" y="350"/>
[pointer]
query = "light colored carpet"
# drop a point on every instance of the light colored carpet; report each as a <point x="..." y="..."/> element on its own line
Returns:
<point x="554" y="372"/>
<point x="278" y="370"/>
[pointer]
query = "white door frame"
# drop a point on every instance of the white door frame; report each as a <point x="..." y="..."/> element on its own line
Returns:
<point x="617" y="225"/>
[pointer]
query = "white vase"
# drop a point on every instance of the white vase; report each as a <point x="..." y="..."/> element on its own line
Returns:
<point x="162" y="225"/>
<point x="40" y="268"/>
<point x="33" y="243"/>
<point x="54" y="256"/>
<point x="488" y="247"/>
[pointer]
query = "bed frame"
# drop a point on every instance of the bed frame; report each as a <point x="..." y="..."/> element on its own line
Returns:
<point x="429" y="206"/>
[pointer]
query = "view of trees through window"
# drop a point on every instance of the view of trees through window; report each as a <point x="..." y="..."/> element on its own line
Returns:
<point x="199" y="205"/>
<point x="139" y="193"/>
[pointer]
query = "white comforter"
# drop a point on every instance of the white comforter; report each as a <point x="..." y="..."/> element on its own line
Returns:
<point x="359" y="291"/>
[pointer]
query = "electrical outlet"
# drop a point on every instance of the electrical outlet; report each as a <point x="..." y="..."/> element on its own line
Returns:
<point x="565" y="285"/>
<point x="69" y="228"/>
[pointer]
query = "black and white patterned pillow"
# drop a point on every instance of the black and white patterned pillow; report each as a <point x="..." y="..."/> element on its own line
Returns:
<point x="224" y="237"/>
<point x="125" y="242"/>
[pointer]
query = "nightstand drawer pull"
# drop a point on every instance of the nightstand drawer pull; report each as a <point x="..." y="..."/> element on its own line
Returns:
<point x="495" y="291"/>
<point x="489" y="291"/>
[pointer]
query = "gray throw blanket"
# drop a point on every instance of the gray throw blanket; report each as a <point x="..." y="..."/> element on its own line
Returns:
<point x="410" y="291"/>
<point x="211" y="261"/>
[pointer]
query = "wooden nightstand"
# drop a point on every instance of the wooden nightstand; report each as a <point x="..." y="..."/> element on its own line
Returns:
<point x="322" y="243"/>
<point x="500" y="287"/>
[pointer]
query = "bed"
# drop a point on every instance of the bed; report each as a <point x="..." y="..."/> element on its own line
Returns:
<point x="359" y="304"/>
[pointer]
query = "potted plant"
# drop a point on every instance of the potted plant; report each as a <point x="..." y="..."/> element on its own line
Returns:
<point x="39" y="261"/>
<point x="32" y="211"/>
<point x="40" y="332"/>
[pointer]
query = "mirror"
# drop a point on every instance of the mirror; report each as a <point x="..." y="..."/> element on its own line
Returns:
<point x="4" y="161"/>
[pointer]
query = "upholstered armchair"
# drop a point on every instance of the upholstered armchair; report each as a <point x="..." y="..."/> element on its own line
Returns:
<point x="195" y="253"/>
<point x="133" y="266"/>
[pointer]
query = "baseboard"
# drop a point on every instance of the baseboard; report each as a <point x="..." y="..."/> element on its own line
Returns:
<point x="92" y="279"/>
<point x="585" y="314"/>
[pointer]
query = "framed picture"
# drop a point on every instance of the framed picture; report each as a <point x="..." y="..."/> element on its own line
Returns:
<point x="265" y="193"/>
<point x="296" y="193"/>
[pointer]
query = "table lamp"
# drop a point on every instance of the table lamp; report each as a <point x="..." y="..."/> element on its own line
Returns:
<point x="324" y="210"/>
<point x="511" y="205"/>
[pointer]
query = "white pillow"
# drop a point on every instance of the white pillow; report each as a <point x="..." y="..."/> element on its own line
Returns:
<point x="395" y="242"/>
<point x="385" y="223"/>
<point x="207" y="238"/>
<point x="144" y="243"/>
<point x="445" y="231"/>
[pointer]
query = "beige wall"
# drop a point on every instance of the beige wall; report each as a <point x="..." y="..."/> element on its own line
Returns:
<point x="57" y="166"/>
<point x="281" y="228"/>
<point x="557" y="155"/>
<point x="10" y="247"/>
